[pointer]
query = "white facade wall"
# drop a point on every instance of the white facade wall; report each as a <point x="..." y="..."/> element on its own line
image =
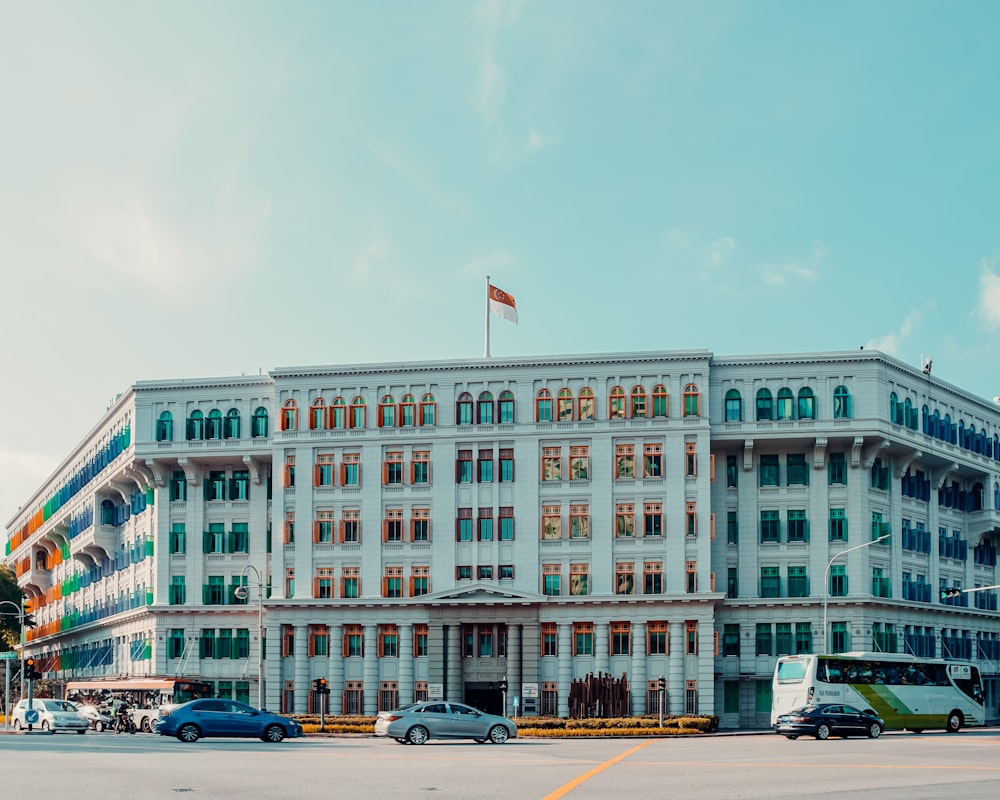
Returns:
<point x="734" y="686"/>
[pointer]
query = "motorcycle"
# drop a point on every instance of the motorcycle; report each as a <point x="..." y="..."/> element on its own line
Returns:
<point x="124" y="723"/>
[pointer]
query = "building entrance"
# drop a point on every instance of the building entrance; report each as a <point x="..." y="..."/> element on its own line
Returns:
<point x="484" y="695"/>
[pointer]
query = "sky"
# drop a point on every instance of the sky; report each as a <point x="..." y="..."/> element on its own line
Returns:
<point x="219" y="188"/>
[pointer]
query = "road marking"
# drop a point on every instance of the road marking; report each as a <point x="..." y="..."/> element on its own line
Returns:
<point x="568" y="787"/>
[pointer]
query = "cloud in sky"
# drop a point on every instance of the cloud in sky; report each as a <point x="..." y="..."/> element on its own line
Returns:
<point x="892" y="343"/>
<point x="989" y="295"/>
<point x="781" y="274"/>
<point x="492" y="16"/>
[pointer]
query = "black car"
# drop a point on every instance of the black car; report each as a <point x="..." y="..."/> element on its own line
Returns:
<point x="829" y="719"/>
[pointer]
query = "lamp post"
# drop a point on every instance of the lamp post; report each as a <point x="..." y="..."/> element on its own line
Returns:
<point x="826" y="578"/>
<point x="19" y="611"/>
<point x="242" y="592"/>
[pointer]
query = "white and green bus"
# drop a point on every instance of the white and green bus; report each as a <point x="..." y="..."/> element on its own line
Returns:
<point x="906" y="692"/>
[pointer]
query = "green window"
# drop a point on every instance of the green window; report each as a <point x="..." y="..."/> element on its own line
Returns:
<point x="840" y="638"/>
<point x="239" y="538"/>
<point x="732" y="582"/>
<point x="838" y="580"/>
<point x="242" y="648"/>
<point x="731" y="640"/>
<point x="798" y="582"/>
<point x="215" y="538"/>
<point x="178" y="486"/>
<point x="798" y="525"/>
<point x="769" y="474"/>
<point x="770" y="582"/>
<point x="762" y="697"/>
<point x="841" y="403"/>
<point x="224" y="644"/>
<point x="803" y="638"/>
<point x="881" y="585"/>
<point x="175" y="643"/>
<point x="730" y="697"/>
<point x="783" y="638"/>
<point x="838" y="525"/>
<point x="732" y="472"/>
<point x="879" y="526"/>
<point x="770" y="526"/>
<point x="732" y="528"/>
<point x="798" y="471"/>
<point x="207" y="643"/>
<point x="764" y="639"/>
<point x="880" y="475"/>
<point x="215" y="591"/>
<point x="178" y="591"/>
<point x="837" y="469"/>
<point x="178" y="538"/>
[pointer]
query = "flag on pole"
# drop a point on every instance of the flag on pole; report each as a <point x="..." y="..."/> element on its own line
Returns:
<point x="502" y="304"/>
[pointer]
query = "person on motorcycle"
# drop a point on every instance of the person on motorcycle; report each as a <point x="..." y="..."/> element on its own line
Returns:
<point x="124" y="720"/>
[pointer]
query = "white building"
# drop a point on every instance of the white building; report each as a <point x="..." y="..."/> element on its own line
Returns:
<point x="433" y="529"/>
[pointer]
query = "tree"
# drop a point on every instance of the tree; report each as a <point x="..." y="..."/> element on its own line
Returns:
<point x="10" y="631"/>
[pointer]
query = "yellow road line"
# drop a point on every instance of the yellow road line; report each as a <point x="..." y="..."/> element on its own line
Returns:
<point x="563" y="790"/>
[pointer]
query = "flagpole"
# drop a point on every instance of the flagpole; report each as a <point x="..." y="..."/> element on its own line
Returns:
<point x="486" y="350"/>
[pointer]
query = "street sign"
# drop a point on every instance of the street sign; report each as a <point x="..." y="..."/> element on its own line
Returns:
<point x="31" y="716"/>
<point x="10" y="655"/>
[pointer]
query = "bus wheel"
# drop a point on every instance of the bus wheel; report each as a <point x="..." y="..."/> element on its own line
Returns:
<point x="954" y="722"/>
<point x="146" y="727"/>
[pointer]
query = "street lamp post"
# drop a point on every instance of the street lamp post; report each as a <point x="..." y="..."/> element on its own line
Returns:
<point x="242" y="592"/>
<point x="826" y="578"/>
<point x="19" y="611"/>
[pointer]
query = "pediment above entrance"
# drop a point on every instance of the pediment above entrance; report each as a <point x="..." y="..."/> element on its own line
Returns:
<point x="482" y="593"/>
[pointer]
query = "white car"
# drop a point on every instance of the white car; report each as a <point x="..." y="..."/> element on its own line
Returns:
<point x="97" y="718"/>
<point x="53" y="715"/>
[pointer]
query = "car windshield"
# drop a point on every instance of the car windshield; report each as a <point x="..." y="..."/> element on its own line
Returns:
<point x="59" y="705"/>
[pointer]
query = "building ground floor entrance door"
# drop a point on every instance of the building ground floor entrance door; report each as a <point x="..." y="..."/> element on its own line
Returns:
<point x="484" y="695"/>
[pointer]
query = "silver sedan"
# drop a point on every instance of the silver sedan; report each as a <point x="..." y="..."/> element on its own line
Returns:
<point x="419" y="722"/>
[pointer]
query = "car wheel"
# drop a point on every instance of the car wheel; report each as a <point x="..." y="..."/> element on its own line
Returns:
<point x="874" y="730"/>
<point x="823" y="731"/>
<point x="82" y="732"/>
<point x="791" y="736"/>
<point x="417" y="734"/>
<point x="99" y="726"/>
<point x="273" y="733"/>
<point x="154" y="725"/>
<point x="954" y="722"/>
<point x="188" y="732"/>
<point x="498" y="734"/>
<point x="146" y="727"/>
<point x="45" y="724"/>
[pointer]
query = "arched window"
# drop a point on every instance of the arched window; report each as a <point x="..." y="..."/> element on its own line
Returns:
<point x="807" y="403"/>
<point x="585" y="406"/>
<point x="485" y="408"/>
<point x="259" y="422"/>
<point x="841" y="403"/>
<point x="765" y="407"/>
<point x="909" y="414"/>
<point x="318" y="415"/>
<point x="894" y="408"/>
<point x="564" y="407"/>
<point x="506" y="407"/>
<point x="165" y="427"/>
<point x="214" y="428"/>
<point x="637" y="408"/>
<point x="463" y="409"/>
<point x="543" y="406"/>
<point x="616" y="403"/>
<point x="196" y="426"/>
<point x="936" y="424"/>
<point x="387" y="412"/>
<point x="290" y="416"/>
<point x="660" y="405"/>
<point x="428" y="410"/>
<point x="358" y="412"/>
<point x="786" y="404"/>
<point x="692" y="401"/>
<point x="338" y="413"/>
<point x="232" y="428"/>
<point x="408" y="411"/>
<point x="734" y="406"/>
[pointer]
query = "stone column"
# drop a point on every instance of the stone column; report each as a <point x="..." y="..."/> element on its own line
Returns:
<point x="639" y="679"/>
<point x="301" y="669"/>
<point x="675" y="670"/>
<point x="405" y="664"/>
<point x="602" y="661"/>
<point x="456" y="684"/>
<point x="371" y="689"/>
<point x="336" y="669"/>
<point x="565" y="671"/>
<point x="273" y="683"/>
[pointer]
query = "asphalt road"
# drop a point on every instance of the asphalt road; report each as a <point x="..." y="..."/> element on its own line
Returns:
<point x="897" y="766"/>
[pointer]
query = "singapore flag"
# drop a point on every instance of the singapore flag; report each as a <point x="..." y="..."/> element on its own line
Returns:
<point x="502" y="304"/>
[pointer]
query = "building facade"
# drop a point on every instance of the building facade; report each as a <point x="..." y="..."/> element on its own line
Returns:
<point x="441" y="529"/>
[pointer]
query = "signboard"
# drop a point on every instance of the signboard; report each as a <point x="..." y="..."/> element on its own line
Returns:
<point x="435" y="691"/>
<point x="10" y="655"/>
<point x="31" y="716"/>
<point x="529" y="689"/>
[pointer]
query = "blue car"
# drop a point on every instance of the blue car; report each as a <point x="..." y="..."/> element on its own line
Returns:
<point x="195" y="719"/>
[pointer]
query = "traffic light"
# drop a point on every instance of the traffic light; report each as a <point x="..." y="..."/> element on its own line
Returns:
<point x="661" y="684"/>
<point x="503" y="684"/>
<point x="946" y="593"/>
<point x="30" y="670"/>
<point x="320" y="686"/>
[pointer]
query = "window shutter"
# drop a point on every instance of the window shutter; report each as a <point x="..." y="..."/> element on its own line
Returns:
<point x="315" y="594"/>
<point x="385" y="473"/>
<point x="315" y="532"/>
